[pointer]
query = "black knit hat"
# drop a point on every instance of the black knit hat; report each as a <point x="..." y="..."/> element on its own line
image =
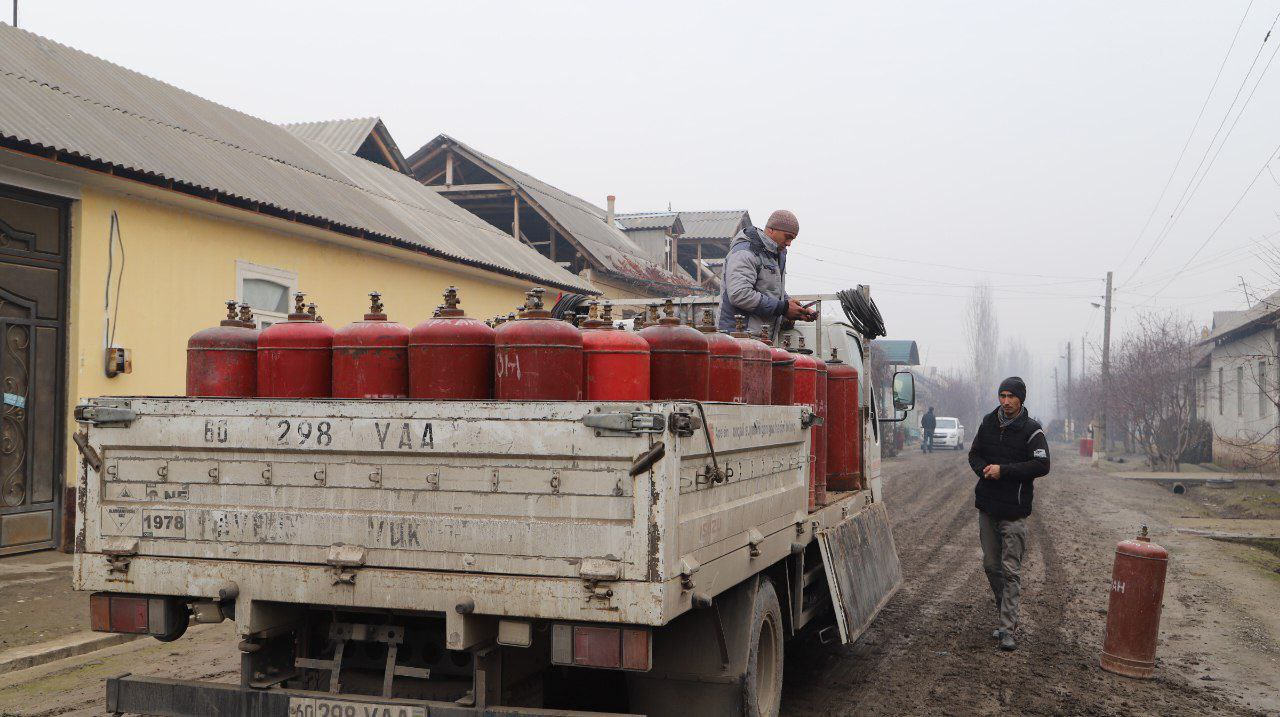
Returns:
<point x="1016" y="386"/>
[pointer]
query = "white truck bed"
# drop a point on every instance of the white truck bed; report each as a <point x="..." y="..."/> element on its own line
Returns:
<point x="521" y="507"/>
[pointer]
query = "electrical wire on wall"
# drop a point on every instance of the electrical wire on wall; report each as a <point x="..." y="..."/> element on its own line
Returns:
<point x="111" y="310"/>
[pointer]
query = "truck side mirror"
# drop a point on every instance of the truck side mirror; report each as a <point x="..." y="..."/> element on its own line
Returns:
<point x="904" y="391"/>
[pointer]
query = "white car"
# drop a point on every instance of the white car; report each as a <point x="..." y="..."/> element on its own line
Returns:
<point x="948" y="433"/>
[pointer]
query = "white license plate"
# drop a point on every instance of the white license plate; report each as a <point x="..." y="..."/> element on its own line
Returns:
<point x="326" y="707"/>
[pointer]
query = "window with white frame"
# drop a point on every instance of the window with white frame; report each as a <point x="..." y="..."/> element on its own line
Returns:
<point x="267" y="290"/>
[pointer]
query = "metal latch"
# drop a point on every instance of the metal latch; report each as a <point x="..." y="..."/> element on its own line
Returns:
<point x="808" y="418"/>
<point x="688" y="566"/>
<point x="343" y="561"/>
<point x="105" y="415"/>
<point x="684" y="424"/>
<point x="634" y="422"/>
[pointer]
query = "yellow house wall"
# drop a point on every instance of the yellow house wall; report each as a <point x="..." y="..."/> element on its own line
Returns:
<point x="180" y="266"/>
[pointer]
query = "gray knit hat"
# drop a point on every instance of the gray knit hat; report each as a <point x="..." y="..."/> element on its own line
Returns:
<point x="783" y="221"/>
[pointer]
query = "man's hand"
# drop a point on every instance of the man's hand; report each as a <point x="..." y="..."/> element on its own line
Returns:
<point x="796" y="312"/>
<point x="991" y="472"/>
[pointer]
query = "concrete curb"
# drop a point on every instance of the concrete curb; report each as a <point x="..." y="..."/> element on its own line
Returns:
<point x="79" y="643"/>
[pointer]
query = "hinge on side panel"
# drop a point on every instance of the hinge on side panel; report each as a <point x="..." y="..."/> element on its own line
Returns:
<point x="119" y="551"/>
<point x="343" y="561"/>
<point x="684" y="424"/>
<point x="688" y="566"/>
<point x="634" y="422"/>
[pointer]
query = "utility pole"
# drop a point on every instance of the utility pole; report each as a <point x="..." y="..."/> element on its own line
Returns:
<point x="1100" y="445"/>
<point x="15" y="13"/>
<point x="1057" y="397"/>
<point x="1070" y="433"/>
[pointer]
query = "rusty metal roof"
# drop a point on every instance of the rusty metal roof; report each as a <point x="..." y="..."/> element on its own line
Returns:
<point x="608" y="247"/>
<point x="56" y="97"/>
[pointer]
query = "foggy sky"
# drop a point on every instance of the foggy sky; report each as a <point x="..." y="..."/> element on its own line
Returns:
<point x="1019" y="143"/>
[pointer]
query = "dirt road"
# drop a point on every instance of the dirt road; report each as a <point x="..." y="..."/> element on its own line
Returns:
<point x="931" y="650"/>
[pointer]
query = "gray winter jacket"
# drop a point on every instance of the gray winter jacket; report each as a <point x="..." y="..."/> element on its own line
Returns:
<point x="754" y="282"/>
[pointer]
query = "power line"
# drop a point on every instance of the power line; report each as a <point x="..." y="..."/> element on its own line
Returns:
<point x="1214" y="233"/>
<point x="917" y="262"/>
<point x="1184" y="199"/>
<point x="1195" y="126"/>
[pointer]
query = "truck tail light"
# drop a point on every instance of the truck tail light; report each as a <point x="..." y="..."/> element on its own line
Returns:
<point x="163" y="617"/>
<point x="614" y="648"/>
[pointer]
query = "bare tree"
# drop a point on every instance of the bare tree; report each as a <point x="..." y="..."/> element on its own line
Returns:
<point x="1152" y="393"/>
<point x="982" y="333"/>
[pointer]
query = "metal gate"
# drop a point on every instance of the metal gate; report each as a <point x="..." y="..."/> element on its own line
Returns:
<point x="33" y="300"/>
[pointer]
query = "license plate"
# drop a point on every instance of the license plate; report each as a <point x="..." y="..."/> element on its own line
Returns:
<point x="327" y="707"/>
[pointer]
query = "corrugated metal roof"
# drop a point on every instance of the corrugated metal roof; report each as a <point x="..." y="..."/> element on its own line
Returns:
<point x="647" y="220"/>
<point x="1231" y="322"/>
<point x="607" y="246"/>
<point x="56" y="97"/>
<point x="719" y="224"/>
<point x="343" y="135"/>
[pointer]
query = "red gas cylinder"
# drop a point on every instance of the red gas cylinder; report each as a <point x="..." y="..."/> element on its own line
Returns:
<point x="295" y="356"/>
<point x="369" y="357"/>
<point x="1133" y="614"/>
<point x="843" y="426"/>
<point x="223" y="360"/>
<point x="450" y="355"/>
<point x="783" y="370"/>
<point x="615" y="363"/>
<point x="536" y="357"/>
<point x="757" y="366"/>
<point x="679" y="359"/>
<point x="805" y="393"/>
<point x="724" y="378"/>
<point x="820" y="435"/>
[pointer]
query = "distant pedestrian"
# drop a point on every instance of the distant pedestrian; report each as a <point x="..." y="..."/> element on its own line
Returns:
<point x="928" y="422"/>
<point x="1008" y="453"/>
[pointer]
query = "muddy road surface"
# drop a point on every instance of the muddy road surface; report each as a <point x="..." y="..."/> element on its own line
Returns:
<point x="931" y="653"/>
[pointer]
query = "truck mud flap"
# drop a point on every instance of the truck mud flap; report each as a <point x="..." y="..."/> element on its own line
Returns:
<point x="184" y="698"/>
<point x="862" y="568"/>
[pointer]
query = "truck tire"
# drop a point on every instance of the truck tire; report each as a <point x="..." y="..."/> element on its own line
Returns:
<point x="763" y="695"/>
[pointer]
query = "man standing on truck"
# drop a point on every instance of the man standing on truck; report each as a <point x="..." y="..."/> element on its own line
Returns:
<point x="928" y="422"/>
<point x="753" y="284"/>
<point x="1008" y="453"/>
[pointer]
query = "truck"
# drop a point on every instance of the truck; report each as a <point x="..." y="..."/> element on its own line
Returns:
<point x="408" y="557"/>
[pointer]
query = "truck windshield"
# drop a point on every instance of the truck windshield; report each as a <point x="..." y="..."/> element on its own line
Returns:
<point x="947" y="423"/>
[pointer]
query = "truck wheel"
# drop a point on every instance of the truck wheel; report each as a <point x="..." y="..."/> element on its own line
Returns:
<point x="764" y="666"/>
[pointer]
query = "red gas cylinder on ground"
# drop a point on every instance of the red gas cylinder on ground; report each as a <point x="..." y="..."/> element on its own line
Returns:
<point x="757" y="365"/>
<point x="369" y="357"/>
<point x="783" y="371"/>
<point x="679" y="359"/>
<point x="536" y="357"/>
<point x="1133" y="614"/>
<point x="615" y="363"/>
<point x="724" y="379"/>
<point x="223" y="360"/>
<point x="820" y="435"/>
<point x="805" y="393"/>
<point x="295" y="357"/>
<point x="450" y="355"/>
<point x="843" y="426"/>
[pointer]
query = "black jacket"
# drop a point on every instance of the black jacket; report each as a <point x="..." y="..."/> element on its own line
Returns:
<point x="1021" y="451"/>
<point x="928" y="422"/>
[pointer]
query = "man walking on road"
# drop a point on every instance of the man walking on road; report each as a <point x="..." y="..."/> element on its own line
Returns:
<point x="1008" y="453"/>
<point x="928" y="422"/>
<point x="754" y="277"/>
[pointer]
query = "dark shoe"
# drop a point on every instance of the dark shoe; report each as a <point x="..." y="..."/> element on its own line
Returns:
<point x="1007" y="643"/>
<point x="997" y="633"/>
